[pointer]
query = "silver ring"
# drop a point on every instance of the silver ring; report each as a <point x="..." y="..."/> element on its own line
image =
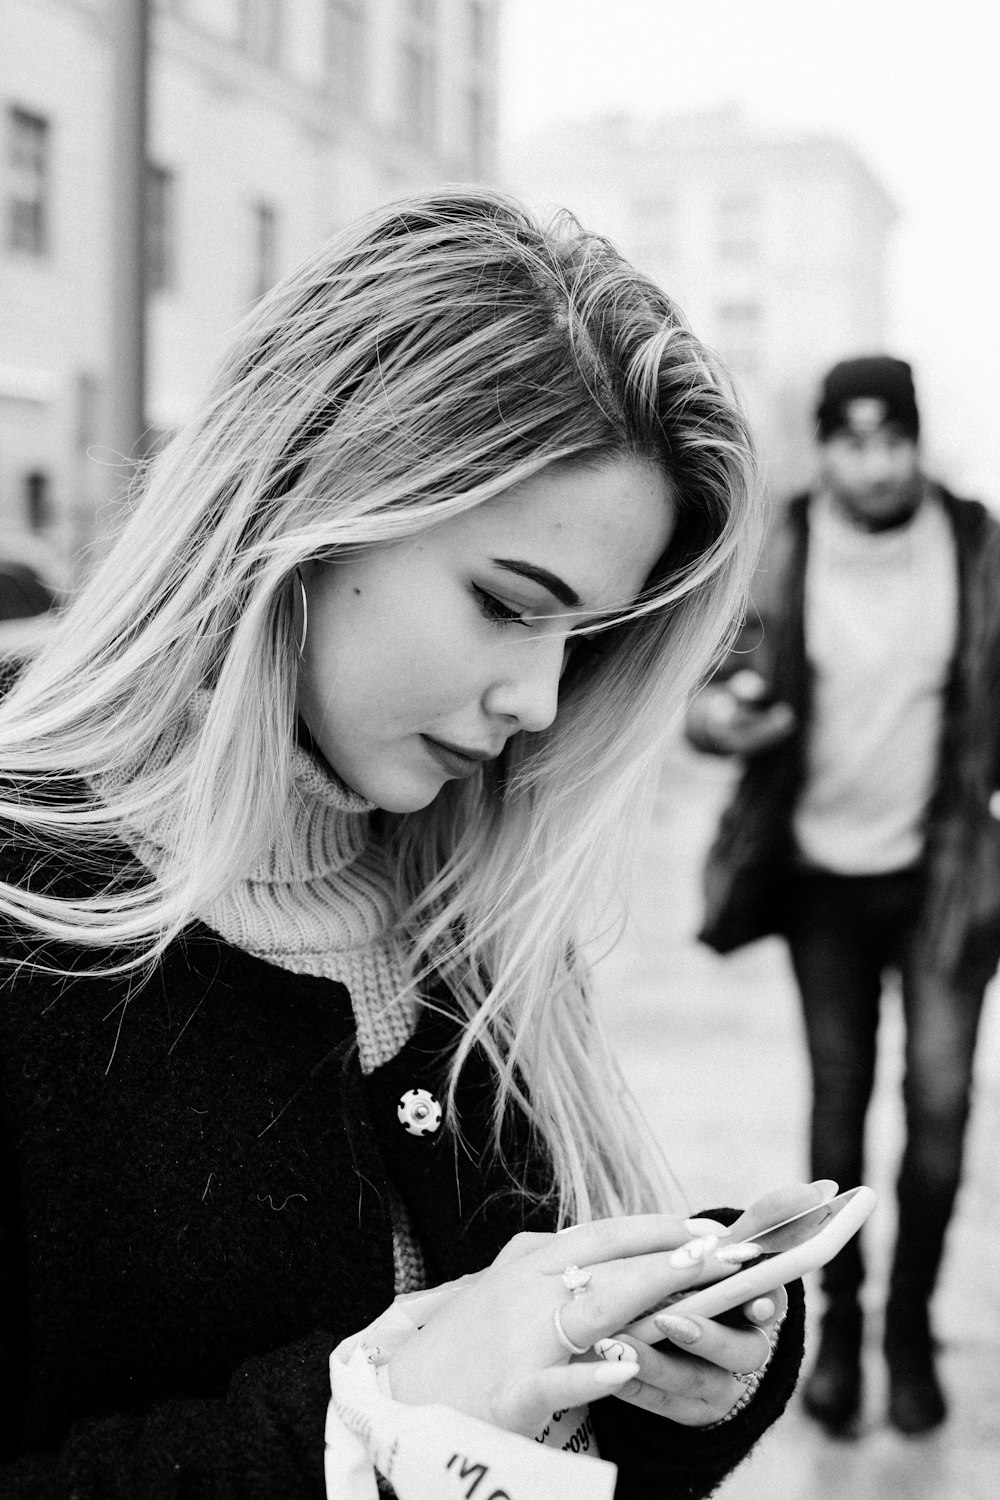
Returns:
<point x="563" y="1336"/>
<point x="576" y="1281"/>
<point x="748" y="1376"/>
<point x="752" y="1382"/>
<point x="767" y="1357"/>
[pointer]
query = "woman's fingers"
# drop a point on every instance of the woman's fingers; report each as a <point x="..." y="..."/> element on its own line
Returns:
<point x="613" y="1239"/>
<point x="704" y="1374"/>
<point x="506" y="1345"/>
<point x="738" y="1350"/>
<point x="686" y="1389"/>
<point x="529" y="1403"/>
<point x="620" y="1291"/>
<point x="768" y="1310"/>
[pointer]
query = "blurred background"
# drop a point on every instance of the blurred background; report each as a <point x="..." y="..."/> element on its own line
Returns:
<point x="810" y="182"/>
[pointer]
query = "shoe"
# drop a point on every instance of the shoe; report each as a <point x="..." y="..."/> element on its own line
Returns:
<point x="916" y="1401"/>
<point x="832" y="1394"/>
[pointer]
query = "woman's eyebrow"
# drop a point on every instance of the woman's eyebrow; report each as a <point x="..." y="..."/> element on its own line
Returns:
<point x="551" y="581"/>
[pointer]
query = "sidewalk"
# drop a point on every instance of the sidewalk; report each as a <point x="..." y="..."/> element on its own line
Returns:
<point x="712" y="1050"/>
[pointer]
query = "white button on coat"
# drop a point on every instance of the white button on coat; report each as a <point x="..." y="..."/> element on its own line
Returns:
<point x="418" y="1112"/>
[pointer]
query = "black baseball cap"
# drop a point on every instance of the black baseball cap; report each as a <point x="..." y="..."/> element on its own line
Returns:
<point x="876" y="377"/>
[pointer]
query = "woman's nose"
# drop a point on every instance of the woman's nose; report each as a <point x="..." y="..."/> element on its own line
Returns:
<point x="527" y="688"/>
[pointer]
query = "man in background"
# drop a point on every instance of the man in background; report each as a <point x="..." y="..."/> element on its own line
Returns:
<point x="864" y="694"/>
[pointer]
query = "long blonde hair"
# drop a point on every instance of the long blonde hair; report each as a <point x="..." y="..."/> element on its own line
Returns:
<point x="420" y="364"/>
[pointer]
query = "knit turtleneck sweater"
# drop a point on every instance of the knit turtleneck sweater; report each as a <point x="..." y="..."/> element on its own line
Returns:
<point x="323" y="902"/>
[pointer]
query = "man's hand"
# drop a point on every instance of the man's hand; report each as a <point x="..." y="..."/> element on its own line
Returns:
<point x="730" y="718"/>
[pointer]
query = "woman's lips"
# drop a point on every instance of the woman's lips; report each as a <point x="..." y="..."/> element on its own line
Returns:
<point x="455" y="761"/>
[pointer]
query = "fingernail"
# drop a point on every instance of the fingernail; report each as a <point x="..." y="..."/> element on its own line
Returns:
<point x="738" y="1254"/>
<point x="614" y="1350"/>
<point x="616" y="1374"/>
<point x="828" y="1188"/>
<point x="762" y="1310"/>
<point x="693" y="1252"/>
<point x="706" y="1226"/>
<point x="681" y="1330"/>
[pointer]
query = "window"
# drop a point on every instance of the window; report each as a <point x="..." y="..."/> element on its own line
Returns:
<point x="418" y="71"/>
<point x="738" y="236"/>
<point x="260" y="30"/>
<point x="37" y="501"/>
<point x="345" y="49"/>
<point x="28" y="168"/>
<point x="265" y="248"/>
<point x="161" y="233"/>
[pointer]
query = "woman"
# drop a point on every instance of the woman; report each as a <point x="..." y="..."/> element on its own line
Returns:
<point x="307" y="810"/>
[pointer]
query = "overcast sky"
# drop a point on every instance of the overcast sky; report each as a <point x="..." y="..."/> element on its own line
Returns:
<point x="914" y="84"/>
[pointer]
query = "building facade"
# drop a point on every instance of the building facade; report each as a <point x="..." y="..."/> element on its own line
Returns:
<point x="773" y="243"/>
<point x="271" y="124"/>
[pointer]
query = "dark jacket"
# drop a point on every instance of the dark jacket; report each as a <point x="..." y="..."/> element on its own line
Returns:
<point x="754" y="848"/>
<point x="193" y="1181"/>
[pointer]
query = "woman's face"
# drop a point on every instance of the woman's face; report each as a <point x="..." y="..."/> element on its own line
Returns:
<point x="424" y="656"/>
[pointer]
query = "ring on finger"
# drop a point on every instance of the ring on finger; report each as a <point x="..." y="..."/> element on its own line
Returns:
<point x="749" y="1375"/>
<point x="576" y="1281"/>
<point x="563" y="1336"/>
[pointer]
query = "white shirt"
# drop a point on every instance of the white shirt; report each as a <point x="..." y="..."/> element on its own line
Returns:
<point x="881" y="617"/>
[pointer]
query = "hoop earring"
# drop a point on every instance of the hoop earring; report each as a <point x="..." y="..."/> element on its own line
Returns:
<point x="305" y="612"/>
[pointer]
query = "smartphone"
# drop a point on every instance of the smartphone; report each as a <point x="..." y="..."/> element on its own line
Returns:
<point x="790" y="1249"/>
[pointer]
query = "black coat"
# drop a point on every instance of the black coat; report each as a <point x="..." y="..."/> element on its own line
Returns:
<point x="193" y="1180"/>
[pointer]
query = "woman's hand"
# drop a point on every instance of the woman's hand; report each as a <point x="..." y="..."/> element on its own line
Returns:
<point x="710" y="1367"/>
<point x="494" y="1351"/>
<point x="701" y="1379"/>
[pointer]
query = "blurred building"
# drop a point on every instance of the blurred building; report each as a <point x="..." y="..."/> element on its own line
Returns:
<point x="774" y="244"/>
<point x="272" y="123"/>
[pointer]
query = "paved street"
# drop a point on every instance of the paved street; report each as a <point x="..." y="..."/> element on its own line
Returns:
<point x="712" y="1050"/>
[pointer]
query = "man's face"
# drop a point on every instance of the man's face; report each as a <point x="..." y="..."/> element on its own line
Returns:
<point x="870" y="466"/>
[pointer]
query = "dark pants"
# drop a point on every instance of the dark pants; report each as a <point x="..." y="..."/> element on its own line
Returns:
<point x="843" y="932"/>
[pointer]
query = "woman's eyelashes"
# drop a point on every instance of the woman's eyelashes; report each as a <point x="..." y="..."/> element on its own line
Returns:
<point x="494" y="609"/>
<point x="500" y="614"/>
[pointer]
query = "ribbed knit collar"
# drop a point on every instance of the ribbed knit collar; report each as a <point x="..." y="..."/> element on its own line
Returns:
<point x="323" y="901"/>
<point x="325" y="830"/>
